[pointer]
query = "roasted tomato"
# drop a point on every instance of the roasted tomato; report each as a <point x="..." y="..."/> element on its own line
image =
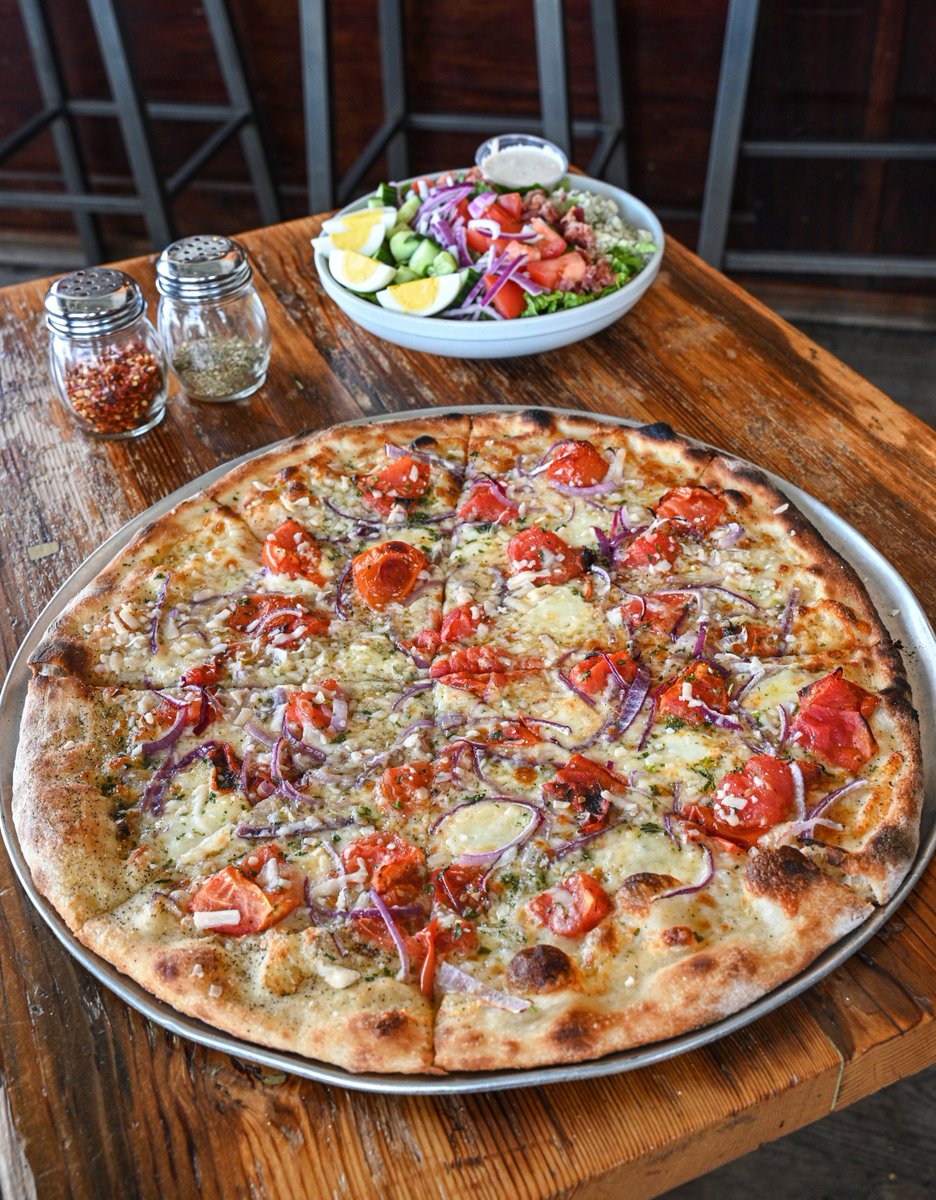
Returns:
<point x="307" y="708"/>
<point x="203" y="676"/>
<point x="461" y="622"/>
<point x="545" y="554"/>
<point x="388" y="572"/>
<point x="650" y="549"/>
<point x="591" y="675"/>
<point x="576" y="905"/>
<point x="404" y="479"/>
<point x="396" y="870"/>
<point x="577" y="464"/>
<point x="583" y="783"/>
<point x="694" y="690"/>
<point x="261" y="894"/>
<point x="480" y="669"/>
<point x="698" y="506"/>
<point x="488" y="502"/>
<point x="225" y="768"/>
<point x="747" y="802"/>
<point x="759" y="640"/>
<point x="279" y="620"/>
<point x="515" y="733"/>
<point x="199" y="711"/>
<point x="663" y="614"/>
<point x="405" y="788"/>
<point x="290" y="550"/>
<point x="833" y="721"/>
<point x="425" y="643"/>
<point x="461" y="888"/>
<point x="438" y="941"/>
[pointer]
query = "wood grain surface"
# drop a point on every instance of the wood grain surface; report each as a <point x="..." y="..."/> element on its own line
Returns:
<point x="96" y="1102"/>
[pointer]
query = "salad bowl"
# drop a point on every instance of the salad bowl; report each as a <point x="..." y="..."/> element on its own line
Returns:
<point x="506" y="339"/>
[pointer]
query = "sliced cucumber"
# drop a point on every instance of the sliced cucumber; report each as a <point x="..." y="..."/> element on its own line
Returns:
<point x="424" y="256"/>
<point x="404" y="244"/>
<point x="404" y="275"/>
<point x="443" y="264"/>
<point x="408" y="210"/>
<point x="387" y="194"/>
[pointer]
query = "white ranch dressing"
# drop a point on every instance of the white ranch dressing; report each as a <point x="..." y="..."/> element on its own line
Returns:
<point x="522" y="166"/>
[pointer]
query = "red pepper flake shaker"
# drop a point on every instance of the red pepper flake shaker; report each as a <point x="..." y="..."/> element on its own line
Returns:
<point x="105" y="355"/>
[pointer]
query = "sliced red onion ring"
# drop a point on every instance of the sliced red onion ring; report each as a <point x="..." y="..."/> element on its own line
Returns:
<point x="283" y="786"/>
<point x="339" y="718"/>
<point x="419" y="591"/>
<point x="274" y="618"/>
<point x="543" y="462"/>
<point x="481" y="203"/>
<point x="569" y="847"/>
<point x="155" y="789"/>
<point x="483" y="800"/>
<point x="727" y="536"/>
<point x="290" y="828"/>
<point x="502" y="279"/>
<point x="260" y="735"/>
<point x="644" y="737"/>
<point x="486" y="225"/>
<point x="750" y="682"/>
<point x="356" y="517"/>
<point x="694" y="589"/>
<point x="821" y="805"/>
<point x="708" y="874"/>
<point x="422" y="686"/>
<point x="668" y="826"/>
<point x="676" y="631"/>
<point x="634" y="700"/>
<point x="394" y="932"/>
<point x="784" y="727"/>
<point x="454" y="979"/>
<point x="491" y="856"/>
<point x="602" y="574"/>
<point x="722" y="720"/>
<point x="805" y="829"/>
<point x="700" y="640"/>
<point x="786" y="620"/>
<point x="595" y="489"/>
<point x="157" y="613"/>
<point x="530" y="285"/>
<point x="589" y="700"/>
<point x="170" y="737"/>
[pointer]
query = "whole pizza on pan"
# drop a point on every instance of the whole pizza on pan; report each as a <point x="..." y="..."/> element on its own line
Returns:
<point x="468" y="742"/>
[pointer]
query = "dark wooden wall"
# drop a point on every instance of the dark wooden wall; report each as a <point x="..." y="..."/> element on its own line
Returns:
<point x="840" y="68"/>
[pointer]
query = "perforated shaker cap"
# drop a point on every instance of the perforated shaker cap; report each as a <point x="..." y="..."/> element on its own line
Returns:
<point x="95" y="300"/>
<point x="205" y="266"/>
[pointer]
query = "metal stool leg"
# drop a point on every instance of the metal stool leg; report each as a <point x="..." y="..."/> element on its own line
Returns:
<point x="553" y="72"/>
<point x="51" y="85"/>
<point x="726" y="129"/>
<point x="393" y="71"/>
<point x="134" y="123"/>
<point x="610" y="158"/>
<point x="231" y="62"/>
<point x="316" y="91"/>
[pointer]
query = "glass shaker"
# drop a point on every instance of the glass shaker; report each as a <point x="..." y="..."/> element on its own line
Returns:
<point x="104" y="353"/>
<point x="211" y="320"/>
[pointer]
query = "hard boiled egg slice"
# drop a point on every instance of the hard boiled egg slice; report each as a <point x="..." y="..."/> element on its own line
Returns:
<point x="358" y="272"/>
<point x="422" y="297"/>
<point x="362" y="232"/>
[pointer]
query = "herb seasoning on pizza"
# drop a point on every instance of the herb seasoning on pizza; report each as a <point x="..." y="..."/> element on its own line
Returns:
<point x="469" y="742"/>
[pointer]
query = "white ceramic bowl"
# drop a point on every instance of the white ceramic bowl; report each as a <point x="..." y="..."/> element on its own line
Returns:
<point x="506" y="339"/>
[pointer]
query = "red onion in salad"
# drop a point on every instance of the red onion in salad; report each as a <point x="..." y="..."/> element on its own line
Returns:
<point x="502" y="279"/>
<point x="480" y="204"/>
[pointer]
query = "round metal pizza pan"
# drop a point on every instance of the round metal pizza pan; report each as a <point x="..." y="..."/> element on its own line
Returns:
<point x="900" y="611"/>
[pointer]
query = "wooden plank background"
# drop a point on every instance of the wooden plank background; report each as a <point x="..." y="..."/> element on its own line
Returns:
<point x="95" y="1101"/>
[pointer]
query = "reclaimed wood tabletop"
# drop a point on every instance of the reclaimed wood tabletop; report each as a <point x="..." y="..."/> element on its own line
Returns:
<point x="97" y="1101"/>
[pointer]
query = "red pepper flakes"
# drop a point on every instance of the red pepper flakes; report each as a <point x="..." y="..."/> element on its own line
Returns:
<point x="113" y="392"/>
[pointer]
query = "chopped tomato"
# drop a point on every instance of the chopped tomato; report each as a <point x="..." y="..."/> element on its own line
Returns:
<point x="512" y="204"/>
<point x="461" y="622"/>
<point x="582" y="783"/>
<point x="511" y="249"/>
<point x="562" y="273"/>
<point x="388" y="572"/>
<point x="550" y="244"/>
<point x="545" y="553"/>
<point x="766" y="787"/>
<point x="591" y="675"/>
<point x="650" y="548"/>
<point x="396" y="869"/>
<point x="290" y="550"/>
<point x="433" y="941"/>
<point x="304" y="708"/>
<point x="702" y="508"/>
<point x="480" y="241"/>
<point x="488" y="502"/>
<point x="697" y="687"/>
<point x="509" y="299"/>
<point x="199" y="711"/>
<point x="281" y="620"/>
<point x="461" y="888"/>
<point x="406" y="787"/>
<point x="236" y="888"/>
<point x="572" y="908"/>
<point x="833" y="721"/>
<point x="660" y="613"/>
<point x="577" y="464"/>
<point x="427" y="641"/>
<point x="759" y="640"/>
<point x="403" y="479"/>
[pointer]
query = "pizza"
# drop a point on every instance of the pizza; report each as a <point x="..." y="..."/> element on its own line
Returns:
<point x="468" y="742"/>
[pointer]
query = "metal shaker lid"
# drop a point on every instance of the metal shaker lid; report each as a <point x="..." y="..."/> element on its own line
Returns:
<point x="94" y="300"/>
<point x="202" y="267"/>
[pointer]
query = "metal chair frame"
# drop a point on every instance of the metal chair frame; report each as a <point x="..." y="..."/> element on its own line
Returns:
<point x="728" y="145"/>
<point x="153" y="195"/>
<point x="555" y="122"/>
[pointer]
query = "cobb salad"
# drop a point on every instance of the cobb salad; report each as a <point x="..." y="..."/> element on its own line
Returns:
<point x="462" y="248"/>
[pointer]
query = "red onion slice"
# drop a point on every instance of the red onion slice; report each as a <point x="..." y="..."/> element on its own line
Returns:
<point x="339" y="718"/>
<point x="787" y="619"/>
<point x="700" y="640"/>
<point x="157" y="614"/>
<point x="569" y="847"/>
<point x="260" y="735"/>
<point x="422" y="686"/>
<point x="420" y="591"/>
<point x="170" y="737"/>
<point x="784" y="727"/>
<point x="708" y="874"/>
<point x="595" y="489"/>
<point x="645" y="736"/>
<point x="751" y="682"/>
<point x="480" y="204"/>
<point x="454" y="979"/>
<point x="394" y="932"/>
<point x="486" y="225"/>
<point x="339" y="592"/>
<point x="694" y="589"/>
<point x="491" y="856"/>
<point x="502" y="279"/>
<point x="483" y="800"/>
<point x="821" y="805"/>
<point x="289" y="828"/>
<point x="728" y="535"/>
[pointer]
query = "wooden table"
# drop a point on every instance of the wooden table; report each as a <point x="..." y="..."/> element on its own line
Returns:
<point x="97" y="1102"/>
